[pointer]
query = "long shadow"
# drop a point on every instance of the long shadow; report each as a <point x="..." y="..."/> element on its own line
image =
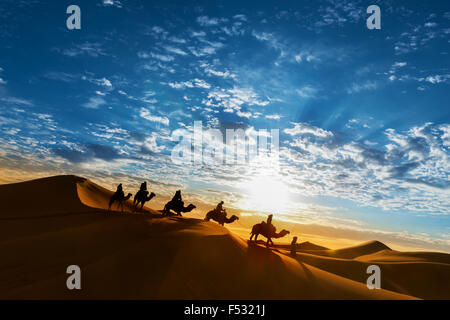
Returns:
<point x="261" y="254"/>
<point x="268" y="251"/>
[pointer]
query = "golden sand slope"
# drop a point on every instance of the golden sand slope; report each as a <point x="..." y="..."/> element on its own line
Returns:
<point x="142" y="256"/>
<point x="353" y="252"/>
<point x="421" y="274"/>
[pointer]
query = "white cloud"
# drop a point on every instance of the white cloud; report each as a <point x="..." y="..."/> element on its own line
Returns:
<point x="175" y="50"/>
<point x="94" y="103"/>
<point x="92" y="49"/>
<point x="399" y="64"/>
<point x="436" y="79"/>
<point x="105" y="82"/>
<point x="273" y="117"/>
<point x="162" y="57"/>
<point x="241" y="17"/>
<point x="357" y="87"/>
<point x="430" y="24"/>
<point x="198" y="34"/>
<point x="17" y="101"/>
<point x="307" y="92"/>
<point x="304" y="128"/>
<point x="143" y="55"/>
<point x="113" y="3"/>
<point x="222" y="74"/>
<point x="195" y="83"/>
<point x="206" y="21"/>
<point x="145" y="113"/>
<point x="3" y="81"/>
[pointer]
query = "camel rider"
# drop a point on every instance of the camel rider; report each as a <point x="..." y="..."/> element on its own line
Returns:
<point x="219" y="210"/>
<point x="120" y="190"/>
<point x="270" y="227"/>
<point x="219" y="207"/>
<point x="177" y="198"/>
<point x="143" y="189"/>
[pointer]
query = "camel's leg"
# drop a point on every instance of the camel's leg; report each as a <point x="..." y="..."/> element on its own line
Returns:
<point x="267" y="243"/>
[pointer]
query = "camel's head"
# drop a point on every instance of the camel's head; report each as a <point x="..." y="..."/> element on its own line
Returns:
<point x="234" y="217"/>
<point x="191" y="207"/>
<point x="284" y="232"/>
<point x="129" y="195"/>
<point x="152" y="195"/>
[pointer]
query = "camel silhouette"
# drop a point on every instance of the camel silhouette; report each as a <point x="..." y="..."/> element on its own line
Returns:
<point x="178" y="207"/>
<point x="141" y="198"/>
<point x="220" y="218"/>
<point x="267" y="231"/>
<point x="120" y="198"/>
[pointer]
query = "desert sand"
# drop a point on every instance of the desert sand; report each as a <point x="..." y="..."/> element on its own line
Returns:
<point x="64" y="221"/>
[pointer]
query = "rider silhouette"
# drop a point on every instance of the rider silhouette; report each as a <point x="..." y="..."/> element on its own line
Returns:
<point x="270" y="227"/>
<point x="220" y="210"/>
<point x="294" y="247"/>
<point x="119" y="190"/>
<point x="177" y="197"/>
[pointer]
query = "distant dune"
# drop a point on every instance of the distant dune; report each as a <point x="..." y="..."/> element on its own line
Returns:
<point x="49" y="224"/>
<point x="355" y="251"/>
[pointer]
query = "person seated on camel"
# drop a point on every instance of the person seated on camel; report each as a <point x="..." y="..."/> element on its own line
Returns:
<point x="143" y="189"/>
<point x="219" y="210"/>
<point x="119" y="190"/>
<point x="270" y="227"/>
<point x="177" y="199"/>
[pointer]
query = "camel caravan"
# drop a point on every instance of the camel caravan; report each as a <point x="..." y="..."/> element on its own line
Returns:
<point x="218" y="214"/>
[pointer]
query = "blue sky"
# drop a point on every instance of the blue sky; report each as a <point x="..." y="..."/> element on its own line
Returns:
<point x="363" y="115"/>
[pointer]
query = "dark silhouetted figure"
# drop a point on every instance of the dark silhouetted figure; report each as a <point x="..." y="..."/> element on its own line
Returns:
<point x="177" y="205"/>
<point x="294" y="247"/>
<point x="267" y="230"/>
<point x="142" y="196"/>
<point x="219" y="214"/>
<point x="177" y="199"/>
<point x="220" y="211"/>
<point x="119" y="196"/>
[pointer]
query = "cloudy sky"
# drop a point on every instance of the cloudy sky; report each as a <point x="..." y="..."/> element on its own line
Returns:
<point x="363" y="115"/>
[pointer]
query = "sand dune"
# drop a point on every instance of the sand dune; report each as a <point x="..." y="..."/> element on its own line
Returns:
<point x="396" y="256"/>
<point x="355" y="251"/>
<point x="147" y="256"/>
<point x="421" y="274"/>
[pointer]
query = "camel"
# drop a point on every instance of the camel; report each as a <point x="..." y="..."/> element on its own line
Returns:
<point x="141" y="198"/>
<point x="120" y="198"/>
<point x="220" y="218"/>
<point x="177" y="207"/>
<point x="262" y="229"/>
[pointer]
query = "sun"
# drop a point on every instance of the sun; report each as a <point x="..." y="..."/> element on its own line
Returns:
<point x="266" y="194"/>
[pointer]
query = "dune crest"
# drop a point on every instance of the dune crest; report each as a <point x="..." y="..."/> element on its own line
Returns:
<point x="354" y="251"/>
